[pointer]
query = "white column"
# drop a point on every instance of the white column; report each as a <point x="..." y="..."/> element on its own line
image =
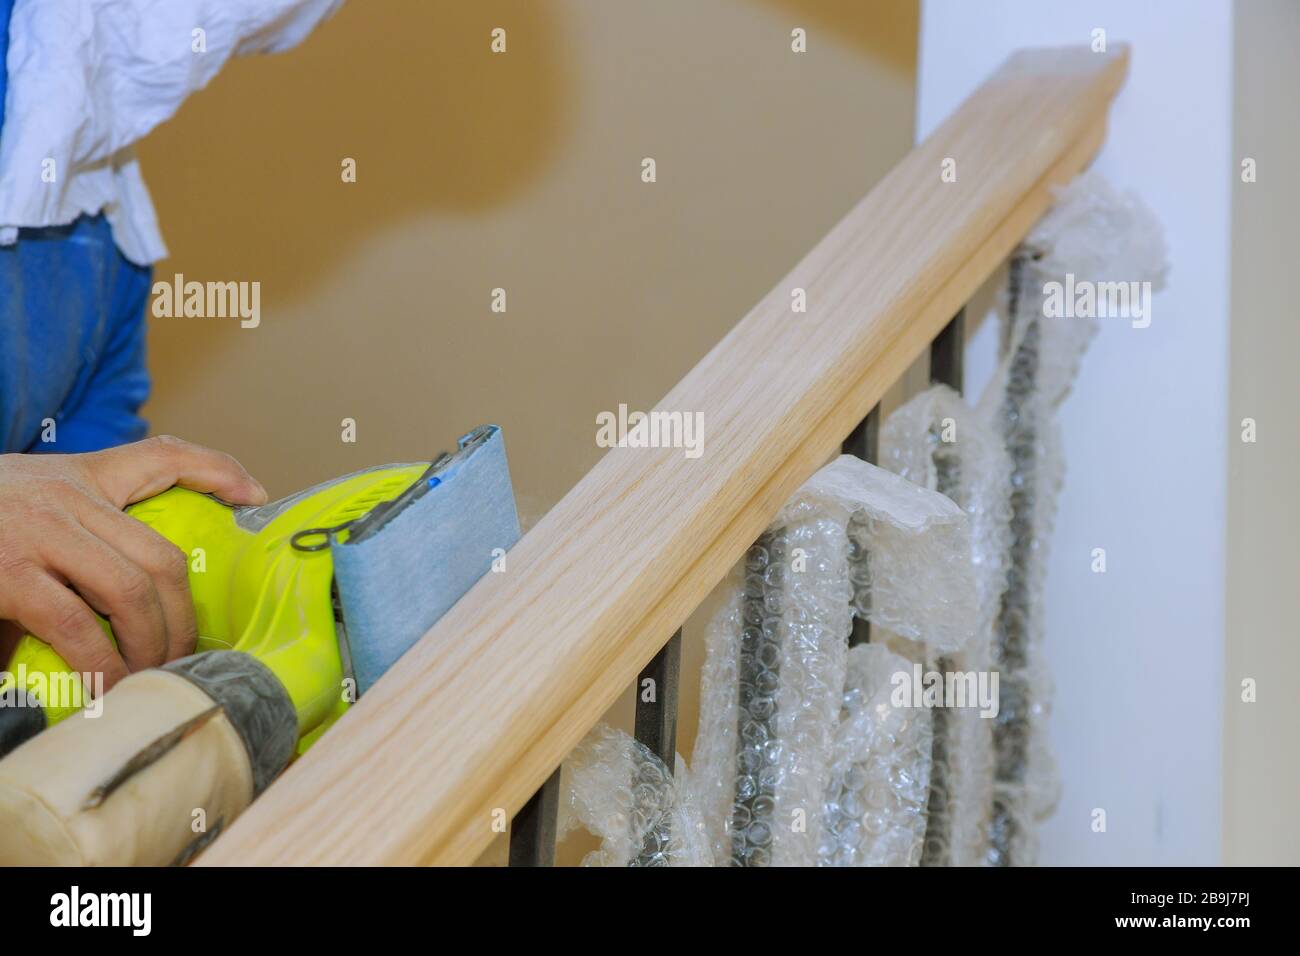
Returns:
<point x="1137" y="652"/>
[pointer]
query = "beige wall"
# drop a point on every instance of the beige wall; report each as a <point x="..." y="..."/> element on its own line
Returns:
<point x="519" y="171"/>
<point x="1261" y="768"/>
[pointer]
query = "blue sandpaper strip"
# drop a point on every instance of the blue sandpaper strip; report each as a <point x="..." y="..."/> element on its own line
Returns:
<point x="395" y="584"/>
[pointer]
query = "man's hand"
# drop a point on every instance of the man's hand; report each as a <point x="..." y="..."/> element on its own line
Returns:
<point x="67" y="549"/>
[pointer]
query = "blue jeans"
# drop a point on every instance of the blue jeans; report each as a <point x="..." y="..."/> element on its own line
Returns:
<point x="72" y="340"/>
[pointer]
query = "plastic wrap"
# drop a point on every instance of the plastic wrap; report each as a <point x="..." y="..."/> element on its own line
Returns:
<point x="875" y="813"/>
<point x="161" y="771"/>
<point x="1094" y="235"/>
<point x="916" y="580"/>
<point x="773" y="686"/>
<point x="935" y="440"/>
<point x="255" y="703"/>
<point x="620" y="791"/>
<point x="770" y="694"/>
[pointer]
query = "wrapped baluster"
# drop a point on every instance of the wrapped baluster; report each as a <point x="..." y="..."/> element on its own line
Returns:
<point x="617" y="789"/>
<point x="1092" y="246"/>
<point x="773" y="699"/>
<point x="936" y="441"/>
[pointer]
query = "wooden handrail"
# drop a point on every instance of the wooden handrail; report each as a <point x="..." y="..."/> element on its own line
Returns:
<point x="477" y="715"/>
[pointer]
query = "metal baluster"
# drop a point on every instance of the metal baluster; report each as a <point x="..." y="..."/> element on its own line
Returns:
<point x="947" y="354"/>
<point x="761" y="637"/>
<point x="1011" y="639"/>
<point x="864" y="442"/>
<point x="947" y="367"/>
<point x="656" y="720"/>
<point x="532" y="831"/>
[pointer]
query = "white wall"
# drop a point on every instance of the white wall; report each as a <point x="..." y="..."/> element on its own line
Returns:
<point x="1137" y="652"/>
<point x="1261" y="773"/>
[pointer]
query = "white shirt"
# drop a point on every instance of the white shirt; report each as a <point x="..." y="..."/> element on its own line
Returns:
<point x="88" y="78"/>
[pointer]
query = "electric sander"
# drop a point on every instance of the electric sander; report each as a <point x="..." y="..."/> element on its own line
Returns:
<point x="301" y="604"/>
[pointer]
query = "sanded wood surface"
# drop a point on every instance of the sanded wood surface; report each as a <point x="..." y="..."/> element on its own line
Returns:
<point x="476" y="716"/>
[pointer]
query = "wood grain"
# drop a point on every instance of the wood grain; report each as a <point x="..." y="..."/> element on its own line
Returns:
<point x="477" y="715"/>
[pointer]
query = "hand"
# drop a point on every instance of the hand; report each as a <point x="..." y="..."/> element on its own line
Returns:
<point x="67" y="549"/>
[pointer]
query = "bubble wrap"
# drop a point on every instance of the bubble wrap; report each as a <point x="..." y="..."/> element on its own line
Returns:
<point x="973" y="469"/>
<point x="772" y="691"/>
<point x="912" y="540"/>
<point x="1097" y="235"/>
<point x="875" y="812"/>
<point x="618" y="790"/>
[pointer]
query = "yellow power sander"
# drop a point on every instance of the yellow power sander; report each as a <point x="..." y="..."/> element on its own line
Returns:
<point x="301" y="605"/>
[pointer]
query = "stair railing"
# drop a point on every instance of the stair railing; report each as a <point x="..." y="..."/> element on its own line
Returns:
<point x="469" y="728"/>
